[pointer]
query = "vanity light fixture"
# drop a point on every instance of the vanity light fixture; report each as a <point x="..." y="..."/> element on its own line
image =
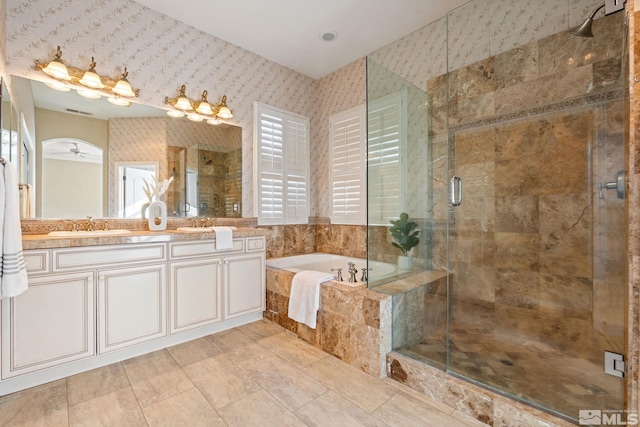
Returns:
<point x="90" y="78"/>
<point x="222" y="110"/>
<point x="123" y="87"/>
<point x="198" y="111"/>
<point x="88" y="83"/>
<point x="203" y="107"/>
<point x="56" y="68"/>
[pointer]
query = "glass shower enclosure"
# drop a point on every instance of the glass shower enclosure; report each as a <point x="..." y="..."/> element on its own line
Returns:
<point x="510" y="158"/>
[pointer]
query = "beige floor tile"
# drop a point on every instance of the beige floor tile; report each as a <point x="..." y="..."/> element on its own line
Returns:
<point x="331" y="410"/>
<point x="96" y="382"/>
<point x="193" y="351"/>
<point x="156" y="377"/>
<point x="260" y="329"/>
<point x="367" y="392"/>
<point x="258" y="409"/>
<point x="118" y="408"/>
<point x="230" y="340"/>
<point x="293" y="350"/>
<point x="288" y="384"/>
<point x="36" y="389"/>
<point x="46" y="407"/>
<point x="405" y="410"/>
<point x="188" y="408"/>
<point x="247" y="354"/>
<point x="220" y="381"/>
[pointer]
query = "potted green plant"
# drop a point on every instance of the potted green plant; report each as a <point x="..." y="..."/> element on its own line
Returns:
<point x="406" y="238"/>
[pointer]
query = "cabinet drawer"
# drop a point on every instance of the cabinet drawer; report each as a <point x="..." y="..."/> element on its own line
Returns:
<point x="37" y="261"/>
<point x="180" y="250"/>
<point x="107" y="256"/>
<point x="255" y="244"/>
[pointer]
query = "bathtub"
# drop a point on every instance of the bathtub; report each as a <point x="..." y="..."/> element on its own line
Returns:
<point x="327" y="262"/>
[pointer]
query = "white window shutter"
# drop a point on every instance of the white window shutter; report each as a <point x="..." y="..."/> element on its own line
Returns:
<point x="282" y="160"/>
<point x="385" y="159"/>
<point x="347" y="142"/>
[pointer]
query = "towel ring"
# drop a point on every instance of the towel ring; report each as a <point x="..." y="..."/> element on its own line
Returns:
<point x="2" y="160"/>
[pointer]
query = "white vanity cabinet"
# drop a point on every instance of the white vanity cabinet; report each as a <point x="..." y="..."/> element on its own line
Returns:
<point x="52" y="323"/>
<point x="93" y="305"/>
<point x="131" y="306"/>
<point x="244" y="284"/>
<point x="195" y="293"/>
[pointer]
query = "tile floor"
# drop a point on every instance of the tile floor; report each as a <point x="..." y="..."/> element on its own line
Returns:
<point x="254" y="375"/>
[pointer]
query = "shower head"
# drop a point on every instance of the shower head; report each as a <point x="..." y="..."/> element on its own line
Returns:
<point x="584" y="29"/>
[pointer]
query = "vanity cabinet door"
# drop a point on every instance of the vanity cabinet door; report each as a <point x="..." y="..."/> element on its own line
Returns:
<point x="195" y="288"/>
<point x="244" y="284"/>
<point x="51" y="323"/>
<point x="131" y="306"/>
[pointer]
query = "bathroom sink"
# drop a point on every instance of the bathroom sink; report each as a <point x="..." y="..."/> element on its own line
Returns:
<point x="95" y="233"/>
<point x="195" y="229"/>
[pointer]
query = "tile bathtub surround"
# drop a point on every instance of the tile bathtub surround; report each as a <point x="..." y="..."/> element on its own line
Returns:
<point x="354" y="324"/>
<point x="208" y="381"/>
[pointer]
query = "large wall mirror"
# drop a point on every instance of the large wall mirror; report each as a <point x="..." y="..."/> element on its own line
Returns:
<point x="92" y="158"/>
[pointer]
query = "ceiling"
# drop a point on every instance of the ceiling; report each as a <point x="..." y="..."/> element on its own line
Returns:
<point x="288" y="31"/>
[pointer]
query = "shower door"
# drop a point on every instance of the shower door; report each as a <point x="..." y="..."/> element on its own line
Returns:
<point x="536" y="242"/>
<point x="514" y="156"/>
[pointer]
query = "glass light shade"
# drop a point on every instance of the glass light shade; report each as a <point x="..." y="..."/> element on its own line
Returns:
<point x="57" y="69"/>
<point x="116" y="100"/>
<point x="204" y="108"/>
<point x="214" y="121"/>
<point x="224" y="112"/>
<point x="174" y="113"/>
<point x="92" y="94"/>
<point x="91" y="79"/>
<point x="195" y="118"/>
<point x="55" y="84"/>
<point x="123" y="88"/>
<point x="183" y="103"/>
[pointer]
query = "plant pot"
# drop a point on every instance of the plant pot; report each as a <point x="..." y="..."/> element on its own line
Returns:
<point x="405" y="262"/>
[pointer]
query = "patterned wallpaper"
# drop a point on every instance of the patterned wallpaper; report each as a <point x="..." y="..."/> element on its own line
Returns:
<point x="160" y="54"/>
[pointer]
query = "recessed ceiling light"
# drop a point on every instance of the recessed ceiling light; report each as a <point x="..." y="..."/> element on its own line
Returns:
<point x="328" y="36"/>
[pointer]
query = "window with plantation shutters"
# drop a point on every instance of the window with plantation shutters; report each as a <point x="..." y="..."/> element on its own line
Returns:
<point x="385" y="158"/>
<point x="347" y="160"/>
<point x="281" y="155"/>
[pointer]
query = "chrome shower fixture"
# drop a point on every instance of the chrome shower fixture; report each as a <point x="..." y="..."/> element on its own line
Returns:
<point x="610" y="6"/>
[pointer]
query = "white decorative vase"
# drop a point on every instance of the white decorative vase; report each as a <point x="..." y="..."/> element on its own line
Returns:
<point x="405" y="262"/>
<point x="145" y="210"/>
<point x="157" y="216"/>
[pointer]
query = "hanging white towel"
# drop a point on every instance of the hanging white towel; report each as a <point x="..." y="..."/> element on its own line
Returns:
<point x="304" y="299"/>
<point x="13" y="270"/>
<point x="224" y="237"/>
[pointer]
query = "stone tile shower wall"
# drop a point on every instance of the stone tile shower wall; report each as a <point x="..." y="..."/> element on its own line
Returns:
<point x="533" y="244"/>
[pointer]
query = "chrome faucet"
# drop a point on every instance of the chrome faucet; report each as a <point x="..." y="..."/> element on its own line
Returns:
<point x="364" y="277"/>
<point x="352" y="273"/>
<point x="339" y="275"/>
<point x="90" y="224"/>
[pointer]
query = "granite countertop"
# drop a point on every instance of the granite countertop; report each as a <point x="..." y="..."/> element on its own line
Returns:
<point x="44" y="241"/>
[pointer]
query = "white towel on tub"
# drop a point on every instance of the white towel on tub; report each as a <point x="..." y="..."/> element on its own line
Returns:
<point x="304" y="300"/>
<point x="13" y="270"/>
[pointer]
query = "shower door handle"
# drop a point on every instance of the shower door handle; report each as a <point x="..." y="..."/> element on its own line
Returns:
<point x="456" y="196"/>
